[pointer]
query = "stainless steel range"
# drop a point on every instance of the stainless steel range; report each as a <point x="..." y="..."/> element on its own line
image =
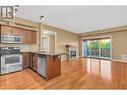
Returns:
<point x="10" y="59"/>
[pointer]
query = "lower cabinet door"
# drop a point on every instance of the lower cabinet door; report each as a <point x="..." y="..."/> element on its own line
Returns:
<point x="34" y="61"/>
<point x="26" y="59"/>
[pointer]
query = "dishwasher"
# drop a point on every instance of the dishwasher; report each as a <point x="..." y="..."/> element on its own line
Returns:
<point x="41" y="65"/>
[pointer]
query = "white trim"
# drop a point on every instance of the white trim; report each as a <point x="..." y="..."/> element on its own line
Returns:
<point x="97" y="57"/>
<point x="97" y="37"/>
<point x="82" y="47"/>
<point x="120" y="60"/>
<point x="111" y="53"/>
<point x="79" y="56"/>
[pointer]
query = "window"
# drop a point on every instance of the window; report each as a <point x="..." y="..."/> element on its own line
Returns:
<point x="98" y="48"/>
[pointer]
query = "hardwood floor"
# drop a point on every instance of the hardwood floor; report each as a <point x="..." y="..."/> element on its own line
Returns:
<point x="83" y="73"/>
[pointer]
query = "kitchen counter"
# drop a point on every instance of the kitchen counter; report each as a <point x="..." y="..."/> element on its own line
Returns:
<point x="49" y="53"/>
<point x="48" y="65"/>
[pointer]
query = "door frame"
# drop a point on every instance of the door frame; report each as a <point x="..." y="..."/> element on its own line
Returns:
<point x="101" y="37"/>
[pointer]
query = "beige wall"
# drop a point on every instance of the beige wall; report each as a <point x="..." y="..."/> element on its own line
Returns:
<point x="51" y="43"/>
<point x="119" y="39"/>
<point x="63" y="38"/>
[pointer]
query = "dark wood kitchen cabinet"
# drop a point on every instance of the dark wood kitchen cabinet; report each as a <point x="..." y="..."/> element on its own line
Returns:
<point x="26" y="59"/>
<point x="24" y="37"/>
<point x="34" y="61"/>
<point x="10" y="30"/>
<point x="27" y="36"/>
<point x="53" y="67"/>
<point x="6" y="29"/>
<point x="16" y="31"/>
<point x="46" y="65"/>
<point x="31" y="37"/>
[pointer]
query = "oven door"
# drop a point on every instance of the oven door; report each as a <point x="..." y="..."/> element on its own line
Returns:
<point x="11" y="60"/>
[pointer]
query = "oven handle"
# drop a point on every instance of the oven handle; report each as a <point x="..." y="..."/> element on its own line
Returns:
<point x="12" y="65"/>
<point x="11" y="55"/>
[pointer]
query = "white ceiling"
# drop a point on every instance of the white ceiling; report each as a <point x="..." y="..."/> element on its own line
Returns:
<point x="77" y="19"/>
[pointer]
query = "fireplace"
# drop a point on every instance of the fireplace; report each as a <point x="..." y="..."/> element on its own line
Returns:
<point x="72" y="53"/>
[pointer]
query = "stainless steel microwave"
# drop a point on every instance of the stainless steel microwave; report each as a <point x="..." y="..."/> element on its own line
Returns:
<point x="6" y="38"/>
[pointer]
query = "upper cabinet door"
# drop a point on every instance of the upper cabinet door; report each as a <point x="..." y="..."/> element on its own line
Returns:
<point x="24" y="36"/>
<point x="28" y="37"/>
<point x="10" y="30"/>
<point x="33" y="37"/>
<point x="6" y="29"/>
<point x="17" y="31"/>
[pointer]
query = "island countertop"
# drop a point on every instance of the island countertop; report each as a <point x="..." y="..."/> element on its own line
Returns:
<point x="48" y="65"/>
<point x="49" y="53"/>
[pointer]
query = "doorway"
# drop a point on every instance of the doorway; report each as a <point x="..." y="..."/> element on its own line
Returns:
<point x="48" y="41"/>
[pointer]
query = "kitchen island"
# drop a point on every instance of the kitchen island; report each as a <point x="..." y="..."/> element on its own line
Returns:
<point x="48" y="65"/>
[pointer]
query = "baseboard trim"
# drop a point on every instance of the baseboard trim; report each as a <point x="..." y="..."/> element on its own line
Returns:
<point x="79" y="56"/>
<point x="119" y="60"/>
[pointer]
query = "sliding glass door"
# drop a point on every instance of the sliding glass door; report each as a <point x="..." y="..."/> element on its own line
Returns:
<point x="95" y="48"/>
<point x="105" y="47"/>
<point x="98" y="48"/>
<point x="87" y="48"/>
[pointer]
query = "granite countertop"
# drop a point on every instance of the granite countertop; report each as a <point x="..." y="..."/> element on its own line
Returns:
<point x="49" y="53"/>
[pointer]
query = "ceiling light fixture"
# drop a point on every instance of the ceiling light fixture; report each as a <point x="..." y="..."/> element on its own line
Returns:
<point x="15" y="9"/>
<point x="42" y="18"/>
